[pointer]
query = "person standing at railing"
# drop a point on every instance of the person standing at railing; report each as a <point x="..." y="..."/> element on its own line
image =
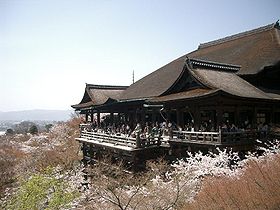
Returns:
<point x="233" y="128"/>
<point x="137" y="131"/>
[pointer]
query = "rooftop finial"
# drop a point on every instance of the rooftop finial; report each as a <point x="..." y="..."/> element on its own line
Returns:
<point x="133" y="77"/>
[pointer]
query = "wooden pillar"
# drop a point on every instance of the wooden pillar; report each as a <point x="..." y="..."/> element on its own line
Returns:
<point x="119" y="117"/>
<point x="197" y="118"/>
<point x="136" y="118"/>
<point x="111" y="118"/>
<point x="168" y="115"/>
<point x="179" y="117"/>
<point x="91" y="116"/>
<point x="98" y="118"/>
<point x="87" y="116"/>
<point x="153" y="116"/>
<point x="219" y="113"/>
<point x="237" y="116"/>
<point x="254" y="118"/>
<point x="143" y="116"/>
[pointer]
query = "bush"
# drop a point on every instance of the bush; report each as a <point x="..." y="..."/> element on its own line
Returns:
<point x="33" y="130"/>
<point x="9" y="131"/>
<point x="42" y="191"/>
<point x="256" y="188"/>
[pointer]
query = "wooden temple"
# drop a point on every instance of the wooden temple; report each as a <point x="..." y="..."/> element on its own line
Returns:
<point x="224" y="94"/>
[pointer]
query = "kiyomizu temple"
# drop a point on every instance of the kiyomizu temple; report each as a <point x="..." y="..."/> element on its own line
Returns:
<point x="224" y="94"/>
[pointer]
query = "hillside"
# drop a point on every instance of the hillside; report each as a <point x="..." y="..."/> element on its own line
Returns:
<point x="36" y="114"/>
<point x="44" y="172"/>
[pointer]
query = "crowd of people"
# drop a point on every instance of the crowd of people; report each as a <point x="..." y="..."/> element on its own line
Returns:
<point x="165" y="128"/>
<point x="146" y="131"/>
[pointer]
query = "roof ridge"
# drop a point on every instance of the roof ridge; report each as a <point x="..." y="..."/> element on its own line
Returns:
<point x="240" y="35"/>
<point x="212" y="64"/>
<point x="105" y="86"/>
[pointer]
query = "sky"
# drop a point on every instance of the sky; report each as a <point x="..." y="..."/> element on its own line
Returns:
<point x="49" y="49"/>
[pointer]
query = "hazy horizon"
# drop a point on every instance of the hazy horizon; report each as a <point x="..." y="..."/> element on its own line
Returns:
<point x="36" y="115"/>
<point x="50" y="49"/>
<point x="24" y="110"/>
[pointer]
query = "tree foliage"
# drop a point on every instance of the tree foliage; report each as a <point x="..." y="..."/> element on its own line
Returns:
<point x="42" y="191"/>
<point x="9" y="131"/>
<point x="33" y="129"/>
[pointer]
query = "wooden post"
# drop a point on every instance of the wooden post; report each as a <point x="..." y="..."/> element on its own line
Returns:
<point x="219" y="112"/>
<point x="237" y="116"/>
<point x="98" y="118"/>
<point x="170" y="133"/>
<point x="153" y="116"/>
<point x="91" y="116"/>
<point x="197" y="118"/>
<point x="220" y="136"/>
<point x="138" y="140"/>
<point x="143" y="117"/>
<point x="168" y="115"/>
<point x="179" y="116"/>
<point x="87" y="116"/>
<point x="111" y="118"/>
<point x="254" y="119"/>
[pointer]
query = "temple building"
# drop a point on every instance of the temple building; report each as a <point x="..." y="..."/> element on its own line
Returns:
<point x="221" y="94"/>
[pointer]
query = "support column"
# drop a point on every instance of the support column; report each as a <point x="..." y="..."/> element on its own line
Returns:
<point x="91" y="116"/>
<point x="179" y="117"/>
<point x="153" y="116"/>
<point x="168" y="115"/>
<point x="219" y="113"/>
<point x="237" y="116"/>
<point x="143" y="117"/>
<point x="98" y="118"/>
<point x="87" y="116"/>
<point x="137" y="120"/>
<point x="197" y="118"/>
<point x="254" y="117"/>
<point x="111" y="118"/>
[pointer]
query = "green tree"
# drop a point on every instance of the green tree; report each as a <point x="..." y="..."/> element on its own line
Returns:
<point x="42" y="191"/>
<point x="48" y="127"/>
<point x="9" y="131"/>
<point x="33" y="129"/>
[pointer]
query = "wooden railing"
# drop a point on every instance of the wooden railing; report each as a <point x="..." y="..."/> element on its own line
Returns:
<point x="242" y="137"/>
<point x="223" y="138"/>
<point x="197" y="136"/>
<point x="120" y="140"/>
<point x="85" y="126"/>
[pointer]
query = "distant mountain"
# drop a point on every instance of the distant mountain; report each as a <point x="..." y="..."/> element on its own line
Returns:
<point x="36" y="114"/>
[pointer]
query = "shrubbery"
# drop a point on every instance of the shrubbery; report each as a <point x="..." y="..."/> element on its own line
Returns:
<point x="24" y="180"/>
<point x="42" y="191"/>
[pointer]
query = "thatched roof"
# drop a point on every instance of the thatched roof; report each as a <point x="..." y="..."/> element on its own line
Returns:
<point x="252" y="50"/>
<point x="156" y="83"/>
<point x="229" y="82"/>
<point x="99" y="95"/>
<point x="188" y="94"/>
<point x="215" y="78"/>
<point x="210" y="67"/>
